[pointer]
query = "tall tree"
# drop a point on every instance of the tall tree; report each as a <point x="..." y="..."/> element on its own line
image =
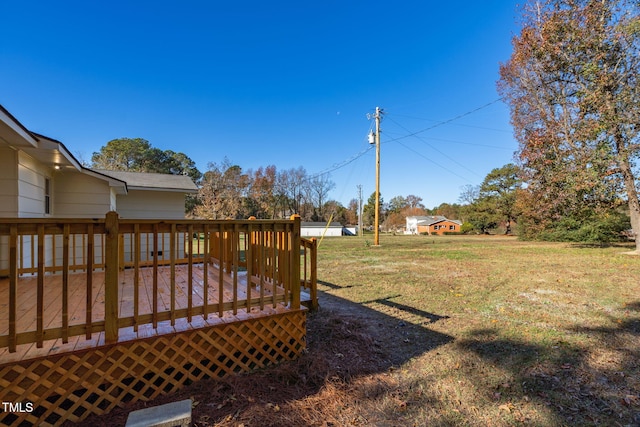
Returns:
<point x="499" y="189"/>
<point x="469" y="194"/>
<point x="573" y="87"/>
<point x="123" y="154"/>
<point x="414" y="202"/>
<point x="351" y="214"/>
<point x="138" y="155"/>
<point x="290" y="187"/>
<point x="222" y="192"/>
<point x="397" y="203"/>
<point x="318" y="189"/>
<point x="369" y="210"/>
<point x="262" y="192"/>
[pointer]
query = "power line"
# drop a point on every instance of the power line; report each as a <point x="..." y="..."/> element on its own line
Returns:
<point x="458" y="117"/>
<point x="355" y="157"/>
<point x="434" y="162"/>
<point x="457" y="124"/>
<point x="342" y="164"/>
<point x="435" y="149"/>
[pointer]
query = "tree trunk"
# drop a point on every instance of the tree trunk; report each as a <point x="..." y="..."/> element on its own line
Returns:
<point x="632" y="196"/>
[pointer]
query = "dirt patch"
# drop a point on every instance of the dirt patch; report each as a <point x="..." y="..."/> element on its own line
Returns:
<point x="346" y="343"/>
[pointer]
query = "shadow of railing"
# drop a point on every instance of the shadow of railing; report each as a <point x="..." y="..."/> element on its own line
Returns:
<point x="345" y="341"/>
<point x="432" y="318"/>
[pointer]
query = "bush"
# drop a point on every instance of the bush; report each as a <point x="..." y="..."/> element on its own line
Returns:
<point x="604" y="228"/>
<point x="466" y="227"/>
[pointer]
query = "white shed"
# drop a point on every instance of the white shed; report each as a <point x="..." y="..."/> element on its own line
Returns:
<point x="317" y="229"/>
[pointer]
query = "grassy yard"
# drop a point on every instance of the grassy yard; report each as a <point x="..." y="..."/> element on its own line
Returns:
<point x="452" y="331"/>
<point x="497" y="331"/>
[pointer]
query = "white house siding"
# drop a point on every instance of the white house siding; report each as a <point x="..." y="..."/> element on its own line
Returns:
<point x="8" y="183"/>
<point x="78" y="195"/>
<point x="31" y="178"/>
<point x="412" y="225"/>
<point x="8" y="197"/>
<point x="152" y="205"/>
<point x="27" y="198"/>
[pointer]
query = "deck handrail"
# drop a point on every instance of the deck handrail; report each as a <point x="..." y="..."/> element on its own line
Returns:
<point x="266" y="251"/>
<point x="309" y="263"/>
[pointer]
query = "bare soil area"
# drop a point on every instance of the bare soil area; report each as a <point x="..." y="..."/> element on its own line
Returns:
<point x="351" y="351"/>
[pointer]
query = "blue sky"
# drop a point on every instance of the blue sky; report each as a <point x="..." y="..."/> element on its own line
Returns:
<point x="284" y="83"/>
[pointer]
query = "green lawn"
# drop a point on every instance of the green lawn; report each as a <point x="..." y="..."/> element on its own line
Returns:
<point x="533" y="333"/>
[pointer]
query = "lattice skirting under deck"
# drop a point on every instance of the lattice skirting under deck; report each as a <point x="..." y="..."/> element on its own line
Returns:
<point x="74" y="385"/>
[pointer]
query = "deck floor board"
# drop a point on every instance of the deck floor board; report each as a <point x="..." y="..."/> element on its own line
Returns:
<point x="77" y="306"/>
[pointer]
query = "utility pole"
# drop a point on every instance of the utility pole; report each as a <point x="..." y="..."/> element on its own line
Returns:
<point x="360" y="210"/>
<point x="376" y="225"/>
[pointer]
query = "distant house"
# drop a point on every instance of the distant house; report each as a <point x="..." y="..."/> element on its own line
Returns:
<point x="317" y="229"/>
<point x="432" y="224"/>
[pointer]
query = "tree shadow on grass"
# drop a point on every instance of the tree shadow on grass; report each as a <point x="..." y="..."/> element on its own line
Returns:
<point x="581" y="385"/>
<point x="599" y="245"/>
<point x="346" y="342"/>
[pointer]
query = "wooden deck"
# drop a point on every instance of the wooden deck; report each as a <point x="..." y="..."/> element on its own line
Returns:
<point x="269" y="303"/>
<point x="96" y="312"/>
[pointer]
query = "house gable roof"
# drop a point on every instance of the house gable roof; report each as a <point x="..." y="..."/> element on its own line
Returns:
<point x="15" y="133"/>
<point x="320" y="224"/>
<point x="153" y="181"/>
<point x="433" y="219"/>
<point x="54" y="154"/>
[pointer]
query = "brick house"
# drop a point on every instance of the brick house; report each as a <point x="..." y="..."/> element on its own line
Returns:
<point x="432" y="224"/>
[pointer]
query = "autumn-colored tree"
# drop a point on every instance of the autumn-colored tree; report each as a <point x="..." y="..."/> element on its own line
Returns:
<point x="396" y="204"/>
<point x="448" y="210"/>
<point x="222" y="192"/>
<point x="262" y="199"/>
<point x="335" y="211"/>
<point x="573" y="87"/>
<point x="351" y="213"/>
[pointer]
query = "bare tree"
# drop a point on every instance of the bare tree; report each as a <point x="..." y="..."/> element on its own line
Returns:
<point x="222" y="192"/>
<point x="318" y="189"/>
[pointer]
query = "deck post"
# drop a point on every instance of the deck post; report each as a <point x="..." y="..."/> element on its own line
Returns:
<point x="295" y="262"/>
<point x="111" y="278"/>
<point x="314" y="274"/>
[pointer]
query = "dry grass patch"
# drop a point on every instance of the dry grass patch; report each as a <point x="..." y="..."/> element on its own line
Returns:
<point x="453" y="331"/>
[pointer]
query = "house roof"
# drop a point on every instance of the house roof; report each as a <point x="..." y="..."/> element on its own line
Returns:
<point x="320" y="224"/>
<point x="54" y="154"/>
<point x="153" y="181"/>
<point x="13" y="132"/>
<point x="428" y="220"/>
<point x="433" y="219"/>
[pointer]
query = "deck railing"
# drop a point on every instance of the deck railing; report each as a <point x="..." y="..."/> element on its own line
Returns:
<point x="258" y="263"/>
<point x="309" y="266"/>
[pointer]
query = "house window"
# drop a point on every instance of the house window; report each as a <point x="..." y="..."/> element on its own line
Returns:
<point x="47" y="196"/>
<point x="452" y="227"/>
<point x="436" y="227"/>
